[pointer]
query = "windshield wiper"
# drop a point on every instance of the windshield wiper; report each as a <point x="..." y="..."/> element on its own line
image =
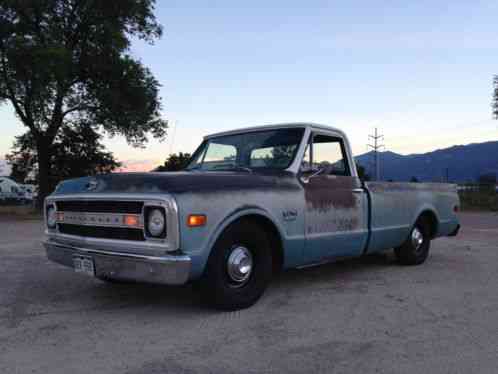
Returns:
<point x="243" y="168"/>
<point x="232" y="167"/>
<point x="221" y="168"/>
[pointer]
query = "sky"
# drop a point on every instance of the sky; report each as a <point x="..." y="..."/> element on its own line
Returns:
<point x="421" y="72"/>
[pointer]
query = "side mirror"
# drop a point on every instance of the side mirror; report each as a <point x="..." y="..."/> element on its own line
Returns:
<point x="306" y="179"/>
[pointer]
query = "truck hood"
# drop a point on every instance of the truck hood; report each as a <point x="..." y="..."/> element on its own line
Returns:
<point x="176" y="182"/>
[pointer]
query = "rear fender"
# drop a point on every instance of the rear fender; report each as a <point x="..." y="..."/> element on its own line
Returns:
<point x="424" y="209"/>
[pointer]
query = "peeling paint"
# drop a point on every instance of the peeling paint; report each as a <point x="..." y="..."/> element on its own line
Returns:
<point x="182" y="182"/>
<point x="329" y="191"/>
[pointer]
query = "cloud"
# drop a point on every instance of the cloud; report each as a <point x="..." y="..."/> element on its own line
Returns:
<point x="138" y="165"/>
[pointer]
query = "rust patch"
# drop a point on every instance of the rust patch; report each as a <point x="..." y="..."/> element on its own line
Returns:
<point x="333" y="225"/>
<point x="327" y="191"/>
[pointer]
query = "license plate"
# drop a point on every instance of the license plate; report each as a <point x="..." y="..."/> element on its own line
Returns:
<point x="84" y="265"/>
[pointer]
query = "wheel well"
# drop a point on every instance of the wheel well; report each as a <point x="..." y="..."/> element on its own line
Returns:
<point x="273" y="236"/>
<point x="431" y="218"/>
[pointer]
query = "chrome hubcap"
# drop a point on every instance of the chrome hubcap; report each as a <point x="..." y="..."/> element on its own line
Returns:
<point x="417" y="238"/>
<point x="239" y="265"/>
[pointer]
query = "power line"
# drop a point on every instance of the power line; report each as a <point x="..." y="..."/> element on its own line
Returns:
<point x="376" y="147"/>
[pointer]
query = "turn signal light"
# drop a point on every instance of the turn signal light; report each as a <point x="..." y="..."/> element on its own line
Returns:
<point x="131" y="220"/>
<point x="196" y="220"/>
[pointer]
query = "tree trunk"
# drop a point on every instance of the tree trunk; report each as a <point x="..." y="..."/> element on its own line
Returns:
<point x="43" y="172"/>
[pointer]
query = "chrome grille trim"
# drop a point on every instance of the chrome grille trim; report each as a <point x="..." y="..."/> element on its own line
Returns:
<point x="150" y="245"/>
<point x="98" y="219"/>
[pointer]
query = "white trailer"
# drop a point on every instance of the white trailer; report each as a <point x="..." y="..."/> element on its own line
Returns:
<point x="9" y="190"/>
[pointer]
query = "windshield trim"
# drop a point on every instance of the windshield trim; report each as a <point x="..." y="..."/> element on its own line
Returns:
<point x="260" y="129"/>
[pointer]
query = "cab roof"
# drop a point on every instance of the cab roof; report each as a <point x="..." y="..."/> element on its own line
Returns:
<point x="275" y="127"/>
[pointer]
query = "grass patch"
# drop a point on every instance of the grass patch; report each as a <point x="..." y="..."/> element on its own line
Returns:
<point x="479" y="197"/>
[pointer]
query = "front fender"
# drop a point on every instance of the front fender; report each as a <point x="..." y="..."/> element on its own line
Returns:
<point x="202" y="255"/>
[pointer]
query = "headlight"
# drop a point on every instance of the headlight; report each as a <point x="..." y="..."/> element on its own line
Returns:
<point x="156" y="223"/>
<point x="51" y="217"/>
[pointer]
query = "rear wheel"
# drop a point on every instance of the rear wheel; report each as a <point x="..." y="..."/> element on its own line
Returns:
<point x="239" y="268"/>
<point x="415" y="250"/>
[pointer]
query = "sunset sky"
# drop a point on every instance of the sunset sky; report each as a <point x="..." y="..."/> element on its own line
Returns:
<point x="419" y="71"/>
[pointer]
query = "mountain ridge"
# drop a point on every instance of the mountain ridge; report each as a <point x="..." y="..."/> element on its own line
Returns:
<point x="460" y="163"/>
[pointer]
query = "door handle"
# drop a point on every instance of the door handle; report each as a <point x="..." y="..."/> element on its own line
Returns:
<point x="357" y="190"/>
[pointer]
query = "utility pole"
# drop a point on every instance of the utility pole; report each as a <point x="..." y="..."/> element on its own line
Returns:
<point x="376" y="147"/>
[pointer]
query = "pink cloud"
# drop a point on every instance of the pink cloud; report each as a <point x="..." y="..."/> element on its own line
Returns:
<point x="138" y="165"/>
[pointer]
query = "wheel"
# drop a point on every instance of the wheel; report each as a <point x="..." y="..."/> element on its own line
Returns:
<point x="239" y="267"/>
<point x="415" y="250"/>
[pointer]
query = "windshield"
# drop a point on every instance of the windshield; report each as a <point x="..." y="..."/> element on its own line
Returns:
<point x="268" y="149"/>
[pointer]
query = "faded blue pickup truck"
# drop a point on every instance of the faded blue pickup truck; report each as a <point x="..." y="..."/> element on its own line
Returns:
<point x="250" y="203"/>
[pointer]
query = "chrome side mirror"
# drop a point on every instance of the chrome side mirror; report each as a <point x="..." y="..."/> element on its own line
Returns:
<point x="306" y="179"/>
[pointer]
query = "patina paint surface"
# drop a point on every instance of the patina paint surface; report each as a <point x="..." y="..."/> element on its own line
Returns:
<point x="336" y="217"/>
<point x="396" y="206"/>
<point x="179" y="182"/>
<point x="325" y="192"/>
<point x="224" y="208"/>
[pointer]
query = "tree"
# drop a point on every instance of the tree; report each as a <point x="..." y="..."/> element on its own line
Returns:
<point x="175" y="162"/>
<point x="76" y="152"/>
<point x="66" y="64"/>
<point x="414" y="179"/>
<point x="494" y="105"/>
<point x="362" y="173"/>
<point x="22" y="164"/>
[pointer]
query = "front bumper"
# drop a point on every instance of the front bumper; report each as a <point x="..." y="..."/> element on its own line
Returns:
<point x="167" y="269"/>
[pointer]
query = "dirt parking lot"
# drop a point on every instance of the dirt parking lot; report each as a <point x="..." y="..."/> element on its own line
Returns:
<point x="357" y="316"/>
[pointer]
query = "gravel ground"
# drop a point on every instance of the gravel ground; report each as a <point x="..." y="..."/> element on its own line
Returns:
<point x="359" y="316"/>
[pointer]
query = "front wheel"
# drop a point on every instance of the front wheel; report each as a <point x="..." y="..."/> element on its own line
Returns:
<point x="415" y="250"/>
<point x="239" y="267"/>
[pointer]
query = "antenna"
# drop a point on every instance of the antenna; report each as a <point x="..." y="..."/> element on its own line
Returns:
<point x="172" y="143"/>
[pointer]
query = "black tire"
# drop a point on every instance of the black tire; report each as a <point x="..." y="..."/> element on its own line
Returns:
<point x="411" y="254"/>
<point x="115" y="281"/>
<point x="217" y="287"/>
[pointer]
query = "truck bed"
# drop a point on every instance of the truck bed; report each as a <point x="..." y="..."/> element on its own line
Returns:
<point x="394" y="207"/>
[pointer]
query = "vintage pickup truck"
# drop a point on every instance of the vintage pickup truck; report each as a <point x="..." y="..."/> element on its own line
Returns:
<point x="251" y="202"/>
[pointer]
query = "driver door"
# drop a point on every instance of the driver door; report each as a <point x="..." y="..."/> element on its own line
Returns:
<point x="336" y="222"/>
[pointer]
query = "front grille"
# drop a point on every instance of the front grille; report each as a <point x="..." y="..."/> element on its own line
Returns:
<point x="109" y="210"/>
<point x="100" y="206"/>
<point x="120" y="233"/>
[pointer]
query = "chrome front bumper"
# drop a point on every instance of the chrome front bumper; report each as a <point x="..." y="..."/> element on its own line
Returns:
<point x="167" y="269"/>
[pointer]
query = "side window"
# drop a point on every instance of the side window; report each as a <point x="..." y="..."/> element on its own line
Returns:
<point x="220" y="154"/>
<point x="328" y="153"/>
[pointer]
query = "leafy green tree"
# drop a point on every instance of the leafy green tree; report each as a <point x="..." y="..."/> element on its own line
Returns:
<point x="66" y="64"/>
<point x="76" y="152"/>
<point x="175" y="162"/>
<point x="494" y="104"/>
<point x="414" y="180"/>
